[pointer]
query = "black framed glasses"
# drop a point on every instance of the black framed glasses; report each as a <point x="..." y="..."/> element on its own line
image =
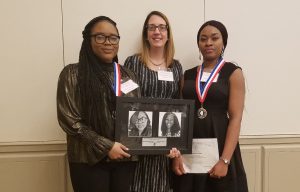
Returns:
<point x="161" y="27"/>
<point x="100" y="39"/>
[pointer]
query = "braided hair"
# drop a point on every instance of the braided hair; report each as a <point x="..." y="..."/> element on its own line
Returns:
<point x="91" y="80"/>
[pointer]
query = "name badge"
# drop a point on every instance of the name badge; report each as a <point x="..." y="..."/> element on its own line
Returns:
<point x="128" y="86"/>
<point x="205" y="76"/>
<point x="165" y="75"/>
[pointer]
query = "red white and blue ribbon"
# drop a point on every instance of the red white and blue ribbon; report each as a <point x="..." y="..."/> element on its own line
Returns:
<point x="117" y="79"/>
<point x="202" y="90"/>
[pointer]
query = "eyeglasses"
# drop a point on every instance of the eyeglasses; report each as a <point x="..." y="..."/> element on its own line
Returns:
<point x="161" y="27"/>
<point x="141" y="120"/>
<point x="100" y="39"/>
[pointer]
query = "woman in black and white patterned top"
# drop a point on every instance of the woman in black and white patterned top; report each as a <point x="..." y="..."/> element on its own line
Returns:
<point x="148" y="79"/>
<point x="153" y="171"/>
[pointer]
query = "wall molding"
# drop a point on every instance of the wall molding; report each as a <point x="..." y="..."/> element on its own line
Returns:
<point x="60" y="145"/>
<point x="263" y="156"/>
<point x="269" y="139"/>
<point x="7" y="147"/>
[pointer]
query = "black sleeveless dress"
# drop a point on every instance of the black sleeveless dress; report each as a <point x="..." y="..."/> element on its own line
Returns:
<point x="214" y="125"/>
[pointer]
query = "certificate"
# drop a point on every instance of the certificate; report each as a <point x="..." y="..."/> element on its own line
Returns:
<point x="205" y="155"/>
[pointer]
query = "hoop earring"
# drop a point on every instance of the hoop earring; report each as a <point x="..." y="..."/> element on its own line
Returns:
<point x="222" y="53"/>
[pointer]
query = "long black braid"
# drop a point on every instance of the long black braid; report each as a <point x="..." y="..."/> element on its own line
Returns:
<point x="92" y="77"/>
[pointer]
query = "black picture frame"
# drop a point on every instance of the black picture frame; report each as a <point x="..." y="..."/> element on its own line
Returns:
<point x="134" y="112"/>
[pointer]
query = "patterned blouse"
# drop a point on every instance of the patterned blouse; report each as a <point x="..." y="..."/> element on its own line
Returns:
<point x="148" y="79"/>
<point x="153" y="171"/>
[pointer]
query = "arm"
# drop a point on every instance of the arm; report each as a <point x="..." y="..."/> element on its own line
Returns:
<point x="181" y="79"/>
<point x="181" y="87"/>
<point x="132" y="63"/>
<point x="235" y="110"/>
<point x="70" y="118"/>
<point x="129" y="63"/>
<point x="177" y="163"/>
<point x="236" y="107"/>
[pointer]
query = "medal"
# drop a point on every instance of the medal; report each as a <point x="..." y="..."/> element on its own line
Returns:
<point x="202" y="113"/>
<point x="202" y="90"/>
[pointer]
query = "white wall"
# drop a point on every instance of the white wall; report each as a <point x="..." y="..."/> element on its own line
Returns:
<point x="31" y="59"/>
<point x="264" y="39"/>
<point x="39" y="37"/>
<point x="185" y="20"/>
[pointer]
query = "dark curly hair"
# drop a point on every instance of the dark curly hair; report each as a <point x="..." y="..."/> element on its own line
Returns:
<point x="175" y="127"/>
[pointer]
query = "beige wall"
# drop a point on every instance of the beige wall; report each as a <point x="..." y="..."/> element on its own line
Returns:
<point x="271" y="163"/>
<point x="31" y="59"/>
<point x="263" y="40"/>
<point x="39" y="37"/>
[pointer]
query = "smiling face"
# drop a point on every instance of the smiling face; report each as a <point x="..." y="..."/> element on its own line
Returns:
<point x="105" y="51"/>
<point x="141" y="122"/>
<point x="210" y="43"/>
<point x="170" y="121"/>
<point x="157" y="38"/>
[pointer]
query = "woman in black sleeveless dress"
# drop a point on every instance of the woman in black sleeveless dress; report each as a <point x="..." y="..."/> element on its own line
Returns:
<point x="221" y="115"/>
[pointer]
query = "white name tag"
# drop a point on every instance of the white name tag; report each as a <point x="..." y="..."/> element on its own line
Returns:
<point x="128" y="86"/>
<point x="205" y="76"/>
<point x="165" y="75"/>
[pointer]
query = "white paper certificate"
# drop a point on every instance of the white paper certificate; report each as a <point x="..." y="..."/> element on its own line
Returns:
<point x="205" y="155"/>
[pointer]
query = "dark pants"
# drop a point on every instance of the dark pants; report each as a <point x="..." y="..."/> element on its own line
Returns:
<point x="102" y="177"/>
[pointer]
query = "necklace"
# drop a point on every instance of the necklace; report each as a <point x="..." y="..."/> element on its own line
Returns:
<point x="156" y="64"/>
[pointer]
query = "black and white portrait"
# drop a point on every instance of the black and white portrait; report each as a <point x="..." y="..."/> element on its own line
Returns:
<point x="170" y="124"/>
<point x="139" y="124"/>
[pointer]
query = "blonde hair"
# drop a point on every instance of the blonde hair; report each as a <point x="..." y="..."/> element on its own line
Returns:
<point x="169" y="49"/>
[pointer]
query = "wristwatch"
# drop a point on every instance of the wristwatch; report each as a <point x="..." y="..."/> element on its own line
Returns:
<point x="226" y="161"/>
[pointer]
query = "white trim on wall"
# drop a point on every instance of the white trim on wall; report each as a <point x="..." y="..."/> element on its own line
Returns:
<point x="269" y="163"/>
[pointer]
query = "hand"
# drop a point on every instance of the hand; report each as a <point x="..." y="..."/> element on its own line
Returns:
<point x="174" y="152"/>
<point x="118" y="151"/>
<point x="177" y="165"/>
<point x="219" y="170"/>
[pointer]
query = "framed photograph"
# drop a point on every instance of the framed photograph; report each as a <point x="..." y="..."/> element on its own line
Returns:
<point x="154" y="126"/>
